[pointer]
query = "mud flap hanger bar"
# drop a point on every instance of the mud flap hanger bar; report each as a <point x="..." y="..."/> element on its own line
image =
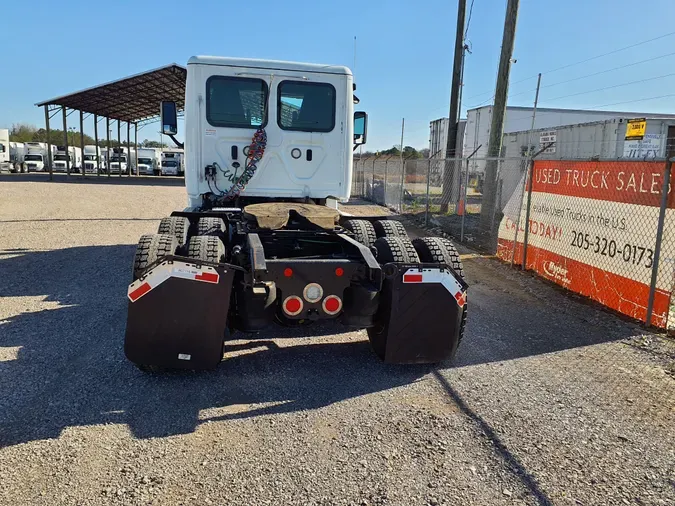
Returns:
<point x="170" y="259"/>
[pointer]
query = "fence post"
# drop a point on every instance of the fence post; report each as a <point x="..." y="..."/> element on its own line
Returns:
<point x="529" y="200"/>
<point x="466" y="188"/>
<point x="384" y="196"/>
<point x="665" y="187"/>
<point x="527" y="211"/>
<point x="466" y="193"/>
<point x="372" y="186"/>
<point x="520" y="211"/>
<point x="426" y="214"/>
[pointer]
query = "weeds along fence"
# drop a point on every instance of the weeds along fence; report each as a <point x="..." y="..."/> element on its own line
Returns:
<point x="601" y="228"/>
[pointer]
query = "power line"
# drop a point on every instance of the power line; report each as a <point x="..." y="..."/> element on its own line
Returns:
<point x="610" y="70"/>
<point x="585" y="61"/>
<point x="614" y="86"/>
<point x="584" y="76"/>
<point x="631" y="101"/>
<point x="466" y="32"/>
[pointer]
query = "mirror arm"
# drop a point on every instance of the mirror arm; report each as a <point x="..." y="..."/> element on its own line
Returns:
<point x="176" y="142"/>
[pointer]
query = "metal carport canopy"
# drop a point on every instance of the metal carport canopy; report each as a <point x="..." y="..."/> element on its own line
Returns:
<point x="133" y="99"/>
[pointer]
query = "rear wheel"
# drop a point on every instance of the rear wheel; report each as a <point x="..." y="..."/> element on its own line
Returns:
<point x="150" y="248"/>
<point x="395" y="249"/>
<point x="389" y="228"/>
<point x="363" y="231"/>
<point x="206" y="248"/>
<point x="438" y="250"/>
<point x="211" y="226"/>
<point x="176" y="226"/>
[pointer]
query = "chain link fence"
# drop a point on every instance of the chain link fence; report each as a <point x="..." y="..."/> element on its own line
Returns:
<point x="445" y="193"/>
<point x="604" y="229"/>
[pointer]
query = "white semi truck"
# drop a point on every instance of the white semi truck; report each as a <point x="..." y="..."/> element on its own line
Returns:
<point x="263" y="241"/>
<point x="35" y="156"/>
<point x="120" y="159"/>
<point x="148" y="161"/>
<point x="93" y="159"/>
<point x="173" y="161"/>
<point x="61" y="159"/>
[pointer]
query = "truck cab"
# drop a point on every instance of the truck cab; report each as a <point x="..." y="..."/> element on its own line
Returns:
<point x="305" y="109"/>
<point x="118" y="161"/>
<point x="172" y="163"/>
<point x="147" y="161"/>
<point x="62" y="160"/>
<point x="93" y="159"/>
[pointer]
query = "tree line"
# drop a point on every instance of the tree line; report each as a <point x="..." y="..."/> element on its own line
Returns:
<point x="408" y="152"/>
<point x="23" y="132"/>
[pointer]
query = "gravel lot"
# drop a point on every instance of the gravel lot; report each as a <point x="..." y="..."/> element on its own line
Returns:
<point x="549" y="401"/>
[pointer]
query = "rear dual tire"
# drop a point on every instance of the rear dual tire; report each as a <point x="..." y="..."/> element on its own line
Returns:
<point x="150" y="248"/>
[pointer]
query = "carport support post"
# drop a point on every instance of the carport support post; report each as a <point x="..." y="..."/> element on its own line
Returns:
<point x="49" y="144"/>
<point x="82" y="142"/>
<point x="119" y="145"/>
<point x="107" y="133"/>
<point x="665" y="189"/>
<point x="128" y="149"/>
<point x="98" y="149"/>
<point x="65" y="136"/>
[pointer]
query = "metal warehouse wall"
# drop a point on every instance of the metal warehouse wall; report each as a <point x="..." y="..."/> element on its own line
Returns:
<point x="600" y="139"/>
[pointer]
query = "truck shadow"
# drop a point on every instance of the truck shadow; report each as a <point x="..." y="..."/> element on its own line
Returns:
<point x="62" y="362"/>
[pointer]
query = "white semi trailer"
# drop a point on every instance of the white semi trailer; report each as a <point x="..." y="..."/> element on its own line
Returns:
<point x="11" y="153"/>
<point x="269" y="155"/>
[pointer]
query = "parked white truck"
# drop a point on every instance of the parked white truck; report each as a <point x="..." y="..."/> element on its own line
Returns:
<point x="61" y="159"/>
<point x="263" y="241"/>
<point x="36" y="158"/>
<point x="148" y="161"/>
<point x="92" y="157"/>
<point x="11" y="153"/>
<point x="120" y="158"/>
<point x="172" y="162"/>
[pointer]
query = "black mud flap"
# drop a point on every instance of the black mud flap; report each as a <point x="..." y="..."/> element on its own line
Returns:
<point x="419" y="319"/>
<point x="177" y="315"/>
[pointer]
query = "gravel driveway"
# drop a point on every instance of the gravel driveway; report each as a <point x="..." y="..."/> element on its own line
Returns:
<point x="549" y="401"/>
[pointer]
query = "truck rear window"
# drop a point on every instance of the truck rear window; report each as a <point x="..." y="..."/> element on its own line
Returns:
<point x="236" y="102"/>
<point x="306" y="107"/>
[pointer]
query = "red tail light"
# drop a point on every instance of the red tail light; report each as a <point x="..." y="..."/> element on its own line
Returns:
<point x="292" y="305"/>
<point x="332" y="305"/>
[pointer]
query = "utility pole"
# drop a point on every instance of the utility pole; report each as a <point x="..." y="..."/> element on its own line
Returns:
<point x="498" y="113"/>
<point x="451" y="145"/>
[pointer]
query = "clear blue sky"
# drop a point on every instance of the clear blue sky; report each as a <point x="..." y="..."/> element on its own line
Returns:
<point x="404" y="51"/>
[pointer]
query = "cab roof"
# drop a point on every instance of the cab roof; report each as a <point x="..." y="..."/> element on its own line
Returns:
<point x="269" y="65"/>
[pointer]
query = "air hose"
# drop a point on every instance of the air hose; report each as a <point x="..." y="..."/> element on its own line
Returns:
<point x="255" y="153"/>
